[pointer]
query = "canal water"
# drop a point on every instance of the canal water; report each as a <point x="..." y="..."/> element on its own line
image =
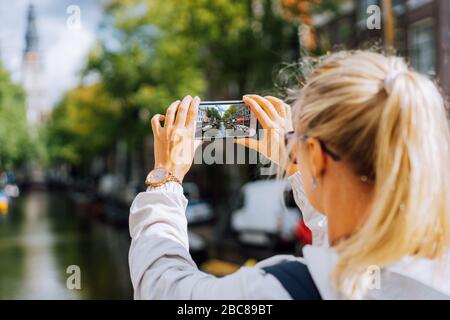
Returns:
<point x="43" y="235"/>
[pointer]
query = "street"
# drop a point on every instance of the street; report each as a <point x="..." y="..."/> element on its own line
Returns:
<point x="222" y="129"/>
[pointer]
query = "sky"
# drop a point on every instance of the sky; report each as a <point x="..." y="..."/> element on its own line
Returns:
<point x="63" y="49"/>
<point x="222" y="109"/>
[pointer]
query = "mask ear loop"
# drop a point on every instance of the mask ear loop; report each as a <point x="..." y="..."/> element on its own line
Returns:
<point x="313" y="183"/>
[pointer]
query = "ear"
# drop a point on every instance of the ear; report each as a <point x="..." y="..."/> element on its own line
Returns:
<point x="317" y="158"/>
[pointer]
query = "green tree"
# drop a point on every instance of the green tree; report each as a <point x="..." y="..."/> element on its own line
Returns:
<point x="230" y="112"/>
<point x="15" y="146"/>
<point x="213" y="113"/>
<point x="237" y="44"/>
<point x="82" y="125"/>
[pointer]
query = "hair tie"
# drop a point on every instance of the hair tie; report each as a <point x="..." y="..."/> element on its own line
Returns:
<point x="390" y="79"/>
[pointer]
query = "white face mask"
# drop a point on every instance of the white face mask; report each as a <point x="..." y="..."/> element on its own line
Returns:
<point x="313" y="219"/>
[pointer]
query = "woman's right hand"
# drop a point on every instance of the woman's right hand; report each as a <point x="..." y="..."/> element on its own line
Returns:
<point x="275" y="118"/>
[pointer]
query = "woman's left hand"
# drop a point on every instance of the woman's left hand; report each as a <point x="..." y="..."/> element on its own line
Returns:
<point x="175" y="142"/>
<point x="275" y="118"/>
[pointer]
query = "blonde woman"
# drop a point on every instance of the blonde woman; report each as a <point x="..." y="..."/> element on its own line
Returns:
<point x="369" y="148"/>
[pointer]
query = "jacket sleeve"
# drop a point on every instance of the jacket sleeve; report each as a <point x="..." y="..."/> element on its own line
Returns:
<point x="161" y="266"/>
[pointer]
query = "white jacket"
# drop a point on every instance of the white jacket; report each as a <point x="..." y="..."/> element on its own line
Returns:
<point x="162" y="268"/>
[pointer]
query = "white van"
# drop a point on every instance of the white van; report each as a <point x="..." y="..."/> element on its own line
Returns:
<point x="265" y="217"/>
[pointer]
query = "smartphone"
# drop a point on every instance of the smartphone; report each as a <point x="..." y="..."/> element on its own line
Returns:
<point x="225" y="119"/>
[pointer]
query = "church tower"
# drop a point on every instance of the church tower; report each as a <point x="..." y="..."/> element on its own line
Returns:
<point x="32" y="71"/>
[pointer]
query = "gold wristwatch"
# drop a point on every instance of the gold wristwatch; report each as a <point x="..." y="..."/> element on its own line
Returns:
<point x="159" y="176"/>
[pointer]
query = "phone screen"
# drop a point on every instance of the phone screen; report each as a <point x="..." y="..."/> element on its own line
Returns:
<point x="224" y="119"/>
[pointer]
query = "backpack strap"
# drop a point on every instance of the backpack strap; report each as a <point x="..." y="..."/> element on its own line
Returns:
<point x="294" y="276"/>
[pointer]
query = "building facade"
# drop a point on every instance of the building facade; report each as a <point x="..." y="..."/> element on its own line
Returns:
<point x="32" y="72"/>
<point x="422" y="33"/>
<point x="202" y="115"/>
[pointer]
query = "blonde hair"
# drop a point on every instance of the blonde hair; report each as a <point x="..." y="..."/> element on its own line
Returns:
<point x="389" y="123"/>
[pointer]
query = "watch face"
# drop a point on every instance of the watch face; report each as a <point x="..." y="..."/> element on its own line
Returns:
<point x="157" y="175"/>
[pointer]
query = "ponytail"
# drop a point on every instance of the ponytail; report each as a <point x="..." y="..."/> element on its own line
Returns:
<point x="390" y="122"/>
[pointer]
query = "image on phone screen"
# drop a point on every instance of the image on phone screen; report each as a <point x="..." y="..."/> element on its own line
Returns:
<point x="224" y="119"/>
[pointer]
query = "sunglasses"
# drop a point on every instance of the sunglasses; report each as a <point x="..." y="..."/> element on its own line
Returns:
<point x="291" y="135"/>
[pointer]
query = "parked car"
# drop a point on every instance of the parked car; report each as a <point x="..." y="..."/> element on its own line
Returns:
<point x="110" y="185"/>
<point x="303" y="233"/>
<point x="266" y="218"/>
<point x="12" y="190"/>
<point x="198" y="210"/>
<point x="207" y="127"/>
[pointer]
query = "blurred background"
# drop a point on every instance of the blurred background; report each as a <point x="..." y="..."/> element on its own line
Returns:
<point x="79" y="81"/>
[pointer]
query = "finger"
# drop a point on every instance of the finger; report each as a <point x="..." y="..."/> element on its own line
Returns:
<point x="268" y="107"/>
<point x="156" y="123"/>
<point x="260" y="114"/>
<point x="191" y="119"/>
<point x="289" y="119"/>
<point x="279" y="105"/>
<point x="170" y="114"/>
<point x="183" y="109"/>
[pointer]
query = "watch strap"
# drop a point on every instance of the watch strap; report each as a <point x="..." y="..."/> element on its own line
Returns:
<point x="172" y="178"/>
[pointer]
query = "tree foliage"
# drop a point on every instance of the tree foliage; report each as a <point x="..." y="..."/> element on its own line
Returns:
<point x="82" y="125"/>
<point x="15" y="146"/>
